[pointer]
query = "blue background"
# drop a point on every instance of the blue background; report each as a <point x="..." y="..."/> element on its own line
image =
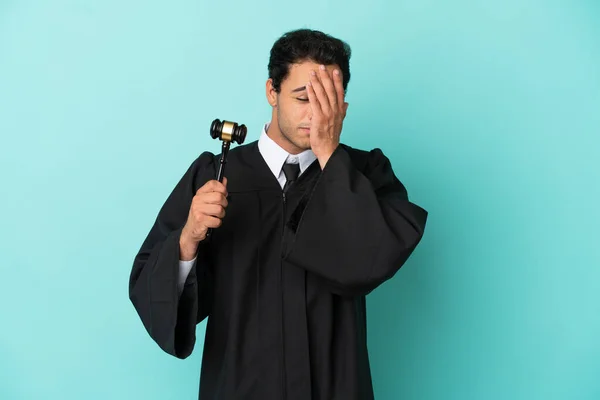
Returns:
<point x="489" y="112"/>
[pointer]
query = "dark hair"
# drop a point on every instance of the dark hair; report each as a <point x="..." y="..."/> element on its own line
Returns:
<point x="307" y="45"/>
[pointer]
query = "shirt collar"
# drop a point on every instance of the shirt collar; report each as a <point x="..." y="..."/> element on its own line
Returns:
<point x="275" y="156"/>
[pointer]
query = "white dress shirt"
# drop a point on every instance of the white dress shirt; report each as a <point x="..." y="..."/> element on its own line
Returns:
<point x="275" y="157"/>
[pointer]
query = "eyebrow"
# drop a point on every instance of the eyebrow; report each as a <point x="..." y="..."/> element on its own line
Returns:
<point x="299" y="89"/>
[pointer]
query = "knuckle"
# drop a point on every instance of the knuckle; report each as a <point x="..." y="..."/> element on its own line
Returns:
<point x="197" y="219"/>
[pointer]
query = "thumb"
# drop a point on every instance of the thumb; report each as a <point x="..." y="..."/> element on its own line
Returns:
<point x="225" y="181"/>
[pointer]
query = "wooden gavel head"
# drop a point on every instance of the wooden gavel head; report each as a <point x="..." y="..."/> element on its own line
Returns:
<point x="228" y="131"/>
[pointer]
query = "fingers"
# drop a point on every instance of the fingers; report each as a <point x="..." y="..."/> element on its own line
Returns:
<point x="214" y="186"/>
<point x="317" y="85"/>
<point x="339" y="91"/>
<point x="213" y="222"/>
<point x="211" y="198"/>
<point x="207" y="209"/>
<point x="212" y="210"/>
<point x="210" y="203"/>
<point x="344" y="109"/>
<point x="327" y="90"/>
<point x="313" y="101"/>
<point x="329" y="86"/>
<point x="205" y="215"/>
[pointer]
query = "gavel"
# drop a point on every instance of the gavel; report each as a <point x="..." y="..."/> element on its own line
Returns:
<point x="227" y="132"/>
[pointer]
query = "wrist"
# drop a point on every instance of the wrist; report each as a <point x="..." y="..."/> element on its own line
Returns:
<point x="323" y="161"/>
<point x="323" y="157"/>
<point x="187" y="247"/>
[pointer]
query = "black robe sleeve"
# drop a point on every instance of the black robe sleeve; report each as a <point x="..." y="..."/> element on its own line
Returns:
<point x="357" y="228"/>
<point x="170" y="318"/>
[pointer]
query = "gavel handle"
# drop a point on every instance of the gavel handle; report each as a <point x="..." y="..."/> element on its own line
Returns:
<point x="224" y="152"/>
<point x="221" y="172"/>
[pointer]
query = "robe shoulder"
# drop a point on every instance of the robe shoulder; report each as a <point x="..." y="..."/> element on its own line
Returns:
<point x="377" y="167"/>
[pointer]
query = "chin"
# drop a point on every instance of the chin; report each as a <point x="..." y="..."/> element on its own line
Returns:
<point x="302" y="145"/>
<point x="303" y="142"/>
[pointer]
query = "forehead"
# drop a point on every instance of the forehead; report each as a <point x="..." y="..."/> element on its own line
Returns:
<point x="298" y="74"/>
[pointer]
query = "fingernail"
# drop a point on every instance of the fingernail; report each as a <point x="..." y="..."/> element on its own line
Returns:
<point x="322" y="67"/>
<point x="336" y="72"/>
<point x="313" y="73"/>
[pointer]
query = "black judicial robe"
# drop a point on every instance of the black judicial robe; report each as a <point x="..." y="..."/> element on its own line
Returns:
<point x="283" y="280"/>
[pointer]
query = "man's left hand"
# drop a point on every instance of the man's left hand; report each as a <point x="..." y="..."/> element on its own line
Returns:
<point x="326" y="97"/>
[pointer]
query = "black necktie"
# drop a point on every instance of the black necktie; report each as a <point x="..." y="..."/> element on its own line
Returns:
<point x="291" y="172"/>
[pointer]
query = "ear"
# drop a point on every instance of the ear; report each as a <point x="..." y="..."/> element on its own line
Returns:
<point x="271" y="93"/>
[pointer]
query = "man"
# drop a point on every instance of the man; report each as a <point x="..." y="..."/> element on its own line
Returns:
<point x="304" y="229"/>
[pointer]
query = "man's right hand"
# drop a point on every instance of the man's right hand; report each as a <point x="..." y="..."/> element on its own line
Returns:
<point x="207" y="211"/>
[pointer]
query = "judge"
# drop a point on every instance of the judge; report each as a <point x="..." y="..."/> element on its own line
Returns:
<point x="304" y="227"/>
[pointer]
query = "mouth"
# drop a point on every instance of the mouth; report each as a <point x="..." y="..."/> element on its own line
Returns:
<point x="306" y="130"/>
